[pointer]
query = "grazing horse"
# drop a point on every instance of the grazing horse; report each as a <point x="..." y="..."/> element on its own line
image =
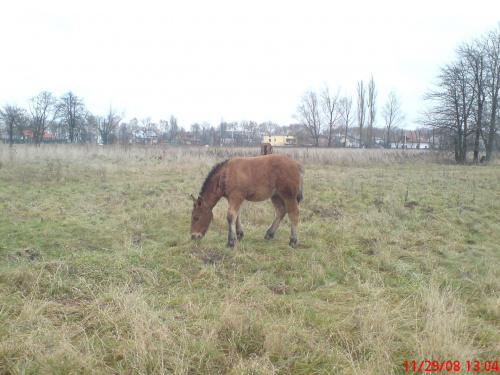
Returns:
<point x="266" y="149"/>
<point x="254" y="179"/>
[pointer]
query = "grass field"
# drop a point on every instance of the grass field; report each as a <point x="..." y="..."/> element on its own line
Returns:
<point x="398" y="260"/>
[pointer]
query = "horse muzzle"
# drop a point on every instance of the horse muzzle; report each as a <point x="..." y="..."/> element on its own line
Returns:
<point x="194" y="236"/>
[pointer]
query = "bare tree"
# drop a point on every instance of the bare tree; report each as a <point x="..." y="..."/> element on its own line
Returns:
<point x="173" y="128"/>
<point x="474" y="57"/>
<point x="465" y="102"/>
<point x="393" y="116"/>
<point x="14" y="118"/>
<point x="250" y="131"/>
<point x="108" y="125"/>
<point x="272" y="127"/>
<point x="263" y="129"/>
<point x="146" y="123"/>
<point x="124" y="133"/>
<point x="451" y="105"/>
<point x="330" y="111"/>
<point x="196" y="130"/>
<point x="73" y="114"/>
<point x="492" y="48"/>
<point x="345" y="111"/>
<point x="233" y="127"/>
<point x="164" y="128"/>
<point x="44" y="112"/>
<point x="372" y="109"/>
<point x="222" y="131"/>
<point x="361" y="112"/>
<point x="207" y="133"/>
<point x="308" y="115"/>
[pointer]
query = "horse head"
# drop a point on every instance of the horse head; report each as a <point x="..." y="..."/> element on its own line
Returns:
<point x="201" y="217"/>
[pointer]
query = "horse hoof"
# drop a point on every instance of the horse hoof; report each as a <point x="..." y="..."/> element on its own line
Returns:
<point x="230" y="244"/>
<point x="268" y="236"/>
<point x="293" y="243"/>
<point x="239" y="236"/>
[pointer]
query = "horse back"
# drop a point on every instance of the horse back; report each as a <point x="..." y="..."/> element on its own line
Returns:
<point x="261" y="177"/>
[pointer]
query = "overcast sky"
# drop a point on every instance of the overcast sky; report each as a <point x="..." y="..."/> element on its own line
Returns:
<point x="203" y="60"/>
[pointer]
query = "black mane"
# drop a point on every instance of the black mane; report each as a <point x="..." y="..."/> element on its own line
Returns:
<point x="209" y="176"/>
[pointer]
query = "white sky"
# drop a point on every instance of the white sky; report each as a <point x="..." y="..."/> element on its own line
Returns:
<point x="235" y="60"/>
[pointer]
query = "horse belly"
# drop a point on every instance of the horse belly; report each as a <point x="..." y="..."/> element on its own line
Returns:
<point x="259" y="195"/>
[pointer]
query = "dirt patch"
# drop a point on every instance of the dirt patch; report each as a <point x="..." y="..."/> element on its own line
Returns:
<point x="208" y="255"/>
<point x="411" y="205"/>
<point x="280" y="288"/>
<point x="29" y="254"/>
<point x="138" y="238"/>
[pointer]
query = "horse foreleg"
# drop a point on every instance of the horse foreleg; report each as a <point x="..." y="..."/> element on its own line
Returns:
<point x="232" y="219"/>
<point x="239" y="228"/>
<point x="280" y="212"/>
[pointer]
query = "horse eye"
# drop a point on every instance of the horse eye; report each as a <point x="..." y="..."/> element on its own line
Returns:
<point x="196" y="218"/>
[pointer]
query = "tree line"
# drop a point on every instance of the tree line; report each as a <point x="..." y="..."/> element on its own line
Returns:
<point x="67" y="119"/>
<point x="461" y="113"/>
<point x="463" y="105"/>
<point x="335" y="115"/>
<point x="64" y="118"/>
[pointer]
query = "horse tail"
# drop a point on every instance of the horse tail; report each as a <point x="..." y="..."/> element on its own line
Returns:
<point x="299" y="194"/>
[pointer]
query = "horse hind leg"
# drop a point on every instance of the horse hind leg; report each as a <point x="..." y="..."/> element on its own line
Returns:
<point x="280" y="212"/>
<point x="293" y="214"/>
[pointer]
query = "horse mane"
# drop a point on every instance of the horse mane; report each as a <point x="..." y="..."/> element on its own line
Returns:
<point x="210" y="175"/>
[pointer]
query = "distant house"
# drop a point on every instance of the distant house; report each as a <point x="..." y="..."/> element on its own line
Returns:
<point x="280" y="140"/>
<point x="28" y="134"/>
<point x="144" y="136"/>
<point x="323" y="142"/>
<point x="413" y="139"/>
<point x="396" y="142"/>
<point x="189" y="138"/>
<point x="351" y="141"/>
<point x="410" y="139"/>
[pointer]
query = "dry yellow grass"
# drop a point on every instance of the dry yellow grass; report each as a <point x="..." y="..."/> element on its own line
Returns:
<point x="398" y="260"/>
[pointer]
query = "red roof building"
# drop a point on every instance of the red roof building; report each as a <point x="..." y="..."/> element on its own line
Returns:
<point x="29" y="134"/>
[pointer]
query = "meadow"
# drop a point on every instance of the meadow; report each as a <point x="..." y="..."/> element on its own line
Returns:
<point x="398" y="262"/>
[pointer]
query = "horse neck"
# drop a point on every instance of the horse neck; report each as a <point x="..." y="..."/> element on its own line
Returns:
<point x="214" y="191"/>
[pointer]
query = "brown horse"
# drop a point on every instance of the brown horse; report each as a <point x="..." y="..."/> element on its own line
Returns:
<point x="266" y="149"/>
<point x="254" y="179"/>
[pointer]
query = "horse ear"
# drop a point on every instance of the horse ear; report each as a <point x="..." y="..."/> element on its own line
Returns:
<point x="193" y="198"/>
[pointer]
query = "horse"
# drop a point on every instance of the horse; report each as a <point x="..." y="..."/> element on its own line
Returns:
<point x="254" y="179"/>
<point x="266" y="149"/>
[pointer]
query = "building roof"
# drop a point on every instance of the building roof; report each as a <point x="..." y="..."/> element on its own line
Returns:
<point x="413" y="136"/>
<point x="145" y="134"/>
<point x="29" y="134"/>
